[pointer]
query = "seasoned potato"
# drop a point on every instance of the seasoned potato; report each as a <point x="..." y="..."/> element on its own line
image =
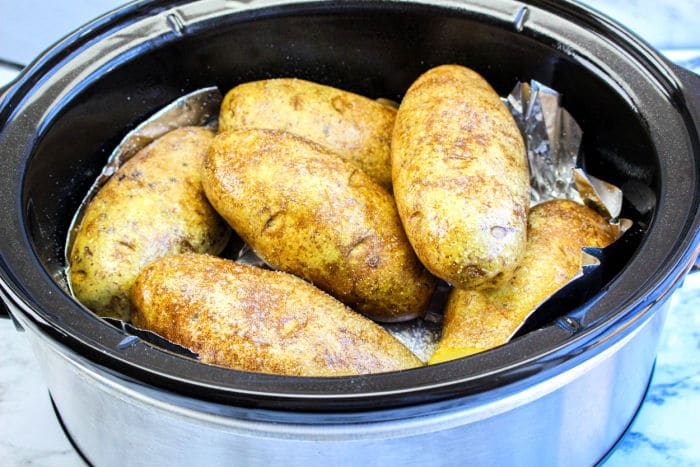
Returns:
<point x="356" y="128"/>
<point x="306" y="211"/>
<point x="152" y="206"/>
<point x="253" y="319"/>
<point x="460" y="178"/>
<point x="477" y="320"/>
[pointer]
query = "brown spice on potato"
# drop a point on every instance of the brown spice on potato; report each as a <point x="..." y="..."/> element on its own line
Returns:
<point x="152" y="206"/>
<point x="253" y="319"/>
<point x="354" y="127"/>
<point x="477" y="320"/>
<point x="308" y="212"/>
<point x="460" y="178"/>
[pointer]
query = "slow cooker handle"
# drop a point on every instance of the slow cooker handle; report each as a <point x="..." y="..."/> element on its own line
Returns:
<point x="11" y="67"/>
<point x="5" y="312"/>
<point x="691" y="80"/>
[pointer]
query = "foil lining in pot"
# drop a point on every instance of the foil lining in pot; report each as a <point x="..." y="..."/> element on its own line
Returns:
<point x="552" y="139"/>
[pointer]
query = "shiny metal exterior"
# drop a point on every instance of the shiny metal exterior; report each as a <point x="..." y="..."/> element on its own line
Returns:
<point x="559" y="396"/>
<point x="570" y="419"/>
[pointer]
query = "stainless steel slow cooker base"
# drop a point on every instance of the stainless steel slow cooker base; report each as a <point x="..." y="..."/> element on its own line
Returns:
<point x="561" y="393"/>
<point x="571" y="419"/>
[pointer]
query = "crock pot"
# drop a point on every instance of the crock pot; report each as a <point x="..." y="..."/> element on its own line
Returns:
<point x="559" y="394"/>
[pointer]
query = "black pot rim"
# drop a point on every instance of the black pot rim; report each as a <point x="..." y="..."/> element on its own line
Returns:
<point x="667" y="252"/>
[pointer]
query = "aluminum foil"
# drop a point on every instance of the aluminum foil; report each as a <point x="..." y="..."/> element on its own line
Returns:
<point x="552" y="138"/>
<point x="552" y="141"/>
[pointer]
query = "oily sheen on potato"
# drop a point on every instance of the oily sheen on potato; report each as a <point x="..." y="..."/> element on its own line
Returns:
<point x="308" y="212"/>
<point x="477" y="320"/>
<point x="154" y="205"/>
<point x="460" y="178"/>
<point x="253" y="319"/>
<point x="355" y="127"/>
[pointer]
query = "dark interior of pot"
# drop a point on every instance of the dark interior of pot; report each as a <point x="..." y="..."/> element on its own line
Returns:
<point x="129" y="66"/>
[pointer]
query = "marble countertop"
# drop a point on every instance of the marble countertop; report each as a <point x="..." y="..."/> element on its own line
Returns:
<point x="665" y="431"/>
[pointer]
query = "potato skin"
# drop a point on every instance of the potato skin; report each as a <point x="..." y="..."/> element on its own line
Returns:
<point x="355" y="127"/>
<point x="306" y="211"/>
<point x="460" y="178"/>
<point x="152" y="206"/>
<point x="253" y="319"/>
<point x="476" y="320"/>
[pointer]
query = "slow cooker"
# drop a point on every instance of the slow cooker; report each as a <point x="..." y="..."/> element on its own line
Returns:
<point x="560" y="393"/>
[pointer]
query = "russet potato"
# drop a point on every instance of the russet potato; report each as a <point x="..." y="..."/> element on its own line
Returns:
<point x="460" y="178"/>
<point x="152" y="206"/>
<point x="356" y="128"/>
<point x="477" y="320"/>
<point x="254" y="319"/>
<point x="308" y="212"/>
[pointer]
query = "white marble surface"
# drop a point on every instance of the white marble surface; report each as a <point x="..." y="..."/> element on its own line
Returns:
<point x="30" y="434"/>
<point x="666" y="430"/>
